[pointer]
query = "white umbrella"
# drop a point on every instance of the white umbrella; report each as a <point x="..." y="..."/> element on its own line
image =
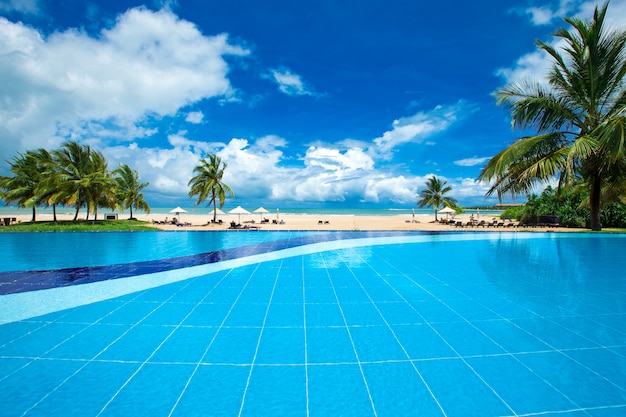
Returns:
<point x="178" y="210"/>
<point x="261" y="210"/>
<point x="447" y="211"/>
<point x="277" y="214"/>
<point x="215" y="213"/>
<point x="239" y="210"/>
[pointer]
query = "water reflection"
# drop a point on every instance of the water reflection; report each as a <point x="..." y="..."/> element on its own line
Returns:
<point x="557" y="275"/>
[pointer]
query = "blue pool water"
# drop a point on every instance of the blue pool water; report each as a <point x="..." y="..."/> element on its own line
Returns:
<point x="358" y="324"/>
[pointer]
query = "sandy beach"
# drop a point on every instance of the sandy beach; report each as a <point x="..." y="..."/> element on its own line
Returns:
<point x="420" y="222"/>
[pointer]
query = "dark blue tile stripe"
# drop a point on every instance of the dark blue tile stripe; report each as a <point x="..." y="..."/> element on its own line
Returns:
<point x="23" y="281"/>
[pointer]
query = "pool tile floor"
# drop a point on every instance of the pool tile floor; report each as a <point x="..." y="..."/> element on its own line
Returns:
<point x="354" y="332"/>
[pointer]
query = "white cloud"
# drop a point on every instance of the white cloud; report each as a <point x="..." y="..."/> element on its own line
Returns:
<point x="289" y="83"/>
<point x="69" y="84"/>
<point x="168" y="170"/>
<point x="338" y="161"/>
<point x="419" y="127"/>
<point x="535" y="65"/>
<point x="471" y="162"/>
<point x="532" y="66"/>
<point x="22" y="6"/>
<point x="398" y="189"/>
<point x="540" y="15"/>
<point x="194" y="117"/>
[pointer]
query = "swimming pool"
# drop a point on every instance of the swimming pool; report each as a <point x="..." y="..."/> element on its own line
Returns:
<point x="324" y="324"/>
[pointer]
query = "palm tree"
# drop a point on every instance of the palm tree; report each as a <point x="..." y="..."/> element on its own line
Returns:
<point x="433" y="195"/>
<point x="81" y="177"/>
<point x="99" y="185"/>
<point x="580" y="117"/>
<point x="207" y="183"/>
<point x="46" y="189"/>
<point x="129" y="188"/>
<point x="22" y="186"/>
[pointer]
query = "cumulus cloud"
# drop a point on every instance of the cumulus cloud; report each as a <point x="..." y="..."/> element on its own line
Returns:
<point x="194" y="117"/>
<point x="289" y="83"/>
<point x="334" y="160"/>
<point x="540" y="15"/>
<point x="69" y="84"/>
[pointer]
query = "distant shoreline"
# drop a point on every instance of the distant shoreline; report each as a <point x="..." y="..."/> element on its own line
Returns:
<point x="307" y="222"/>
<point x="205" y="211"/>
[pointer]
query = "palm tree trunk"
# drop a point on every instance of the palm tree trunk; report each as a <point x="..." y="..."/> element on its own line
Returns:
<point x="131" y="212"/>
<point x="76" y="214"/>
<point x="34" y="213"/>
<point x="594" y="202"/>
<point x="54" y="213"/>
<point x="214" y="206"/>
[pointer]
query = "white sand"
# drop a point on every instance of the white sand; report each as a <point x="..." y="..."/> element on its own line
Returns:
<point x="304" y="222"/>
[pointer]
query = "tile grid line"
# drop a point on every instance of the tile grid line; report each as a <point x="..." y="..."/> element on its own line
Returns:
<point x="258" y="343"/>
<point x="493" y="341"/>
<point x="515" y="356"/>
<point x="30" y="332"/>
<point x="435" y="330"/>
<point x="547" y="318"/>
<point x="201" y="361"/>
<point x="87" y="362"/>
<point x="130" y="378"/>
<point x="395" y="336"/>
<point x="306" y="348"/>
<point x="343" y="316"/>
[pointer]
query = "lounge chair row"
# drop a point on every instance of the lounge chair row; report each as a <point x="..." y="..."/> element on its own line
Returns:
<point x="234" y="225"/>
<point x="497" y="224"/>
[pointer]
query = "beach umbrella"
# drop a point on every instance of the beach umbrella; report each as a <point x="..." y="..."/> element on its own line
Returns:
<point x="239" y="210"/>
<point x="215" y="212"/>
<point x="261" y="210"/>
<point x="447" y="211"/>
<point x="178" y="210"/>
<point x="277" y="214"/>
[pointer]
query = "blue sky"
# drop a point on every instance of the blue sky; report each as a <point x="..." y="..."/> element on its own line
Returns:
<point x="310" y="102"/>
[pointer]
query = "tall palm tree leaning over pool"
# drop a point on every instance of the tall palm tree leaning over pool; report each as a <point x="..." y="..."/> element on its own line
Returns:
<point x="580" y="117"/>
<point x="433" y="195"/>
<point x="207" y="183"/>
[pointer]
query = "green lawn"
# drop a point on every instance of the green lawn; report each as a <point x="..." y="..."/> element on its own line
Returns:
<point x="78" y="226"/>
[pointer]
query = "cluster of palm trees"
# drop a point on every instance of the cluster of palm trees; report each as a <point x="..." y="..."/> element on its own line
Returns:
<point x="73" y="175"/>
